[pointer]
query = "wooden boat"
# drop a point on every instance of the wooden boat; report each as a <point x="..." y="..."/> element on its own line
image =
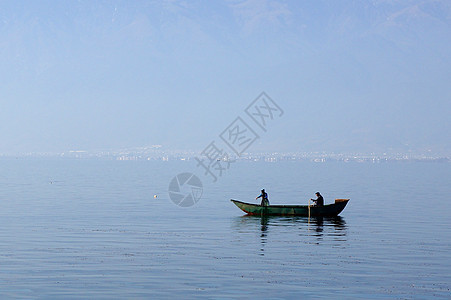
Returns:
<point x="329" y="210"/>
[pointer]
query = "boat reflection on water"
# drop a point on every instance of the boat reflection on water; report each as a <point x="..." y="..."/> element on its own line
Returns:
<point x="264" y="231"/>
<point x="336" y="224"/>
<point x="333" y="229"/>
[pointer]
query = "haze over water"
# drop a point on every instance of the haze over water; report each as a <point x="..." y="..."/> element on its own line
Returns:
<point x="93" y="229"/>
<point x="84" y="84"/>
<point x="354" y="76"/>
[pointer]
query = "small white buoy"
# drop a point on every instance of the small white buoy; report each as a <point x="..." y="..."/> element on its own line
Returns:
<point x="155" y="196"/>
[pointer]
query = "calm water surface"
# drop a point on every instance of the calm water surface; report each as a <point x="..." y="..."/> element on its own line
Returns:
<point x="92" y="229"/>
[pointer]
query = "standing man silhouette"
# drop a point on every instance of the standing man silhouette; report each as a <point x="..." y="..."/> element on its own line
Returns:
<point x="264" y="196"/>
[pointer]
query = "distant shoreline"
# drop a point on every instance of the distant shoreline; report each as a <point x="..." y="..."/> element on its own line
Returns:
<point x="159" y="155"/>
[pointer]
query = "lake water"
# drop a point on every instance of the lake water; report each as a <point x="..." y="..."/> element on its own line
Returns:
<point x="93" y="229"/>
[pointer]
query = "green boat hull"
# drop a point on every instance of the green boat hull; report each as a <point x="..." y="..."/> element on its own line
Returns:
<point x="330" y="210"/>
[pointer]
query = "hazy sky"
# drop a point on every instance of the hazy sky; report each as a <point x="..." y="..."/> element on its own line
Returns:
<point x="350" y="75"/>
